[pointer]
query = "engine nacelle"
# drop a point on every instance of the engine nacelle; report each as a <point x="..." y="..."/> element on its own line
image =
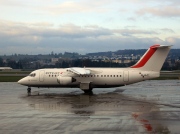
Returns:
<point x="65" y="80"/>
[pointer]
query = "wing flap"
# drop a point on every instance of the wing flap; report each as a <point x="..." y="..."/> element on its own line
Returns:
<point x="79" y="71"/>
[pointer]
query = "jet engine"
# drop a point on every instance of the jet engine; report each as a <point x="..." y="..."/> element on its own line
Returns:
<point x="65" y="80"/>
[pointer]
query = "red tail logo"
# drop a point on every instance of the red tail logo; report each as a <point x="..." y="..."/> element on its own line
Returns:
<point x="146" y="57"/>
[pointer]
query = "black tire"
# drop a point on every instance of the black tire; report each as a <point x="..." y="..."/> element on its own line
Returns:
<point x="29" y="90"/>
<point x="88" y="91"/>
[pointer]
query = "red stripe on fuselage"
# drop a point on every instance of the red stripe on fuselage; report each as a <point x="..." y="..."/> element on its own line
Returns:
<point x="146" y="57"/>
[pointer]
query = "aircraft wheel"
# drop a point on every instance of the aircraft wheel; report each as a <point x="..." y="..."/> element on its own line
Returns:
<point x="29" y="91"/>
<point x="88" y="91"/>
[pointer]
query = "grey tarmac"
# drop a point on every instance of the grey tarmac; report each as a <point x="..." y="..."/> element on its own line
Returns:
<point x="146" y="107"/>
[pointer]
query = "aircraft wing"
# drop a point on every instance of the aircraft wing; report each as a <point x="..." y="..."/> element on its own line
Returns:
<point x="79" y="71"/>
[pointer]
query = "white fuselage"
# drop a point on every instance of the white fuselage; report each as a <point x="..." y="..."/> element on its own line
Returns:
<point x="104" y="77"/>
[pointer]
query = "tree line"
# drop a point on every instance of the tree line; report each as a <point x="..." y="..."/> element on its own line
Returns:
<point x="29" y="64"/>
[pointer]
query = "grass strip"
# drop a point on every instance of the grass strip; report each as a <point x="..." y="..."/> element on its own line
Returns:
<point x="166" y="78"/>
<point x="10" y="78"/>
<point x="20" y="72"/>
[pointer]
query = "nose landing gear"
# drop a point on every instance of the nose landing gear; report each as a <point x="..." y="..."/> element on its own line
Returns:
<point x="29" y="91"/>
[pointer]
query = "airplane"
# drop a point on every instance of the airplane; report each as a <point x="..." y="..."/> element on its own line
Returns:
<point x="148" y="67"/>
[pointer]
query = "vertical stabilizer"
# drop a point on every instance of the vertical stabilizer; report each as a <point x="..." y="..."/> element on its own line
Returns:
<point x="153" y="59"/>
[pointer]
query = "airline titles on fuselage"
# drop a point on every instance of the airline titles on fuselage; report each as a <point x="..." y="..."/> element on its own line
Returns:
<point x="54" y="73"/>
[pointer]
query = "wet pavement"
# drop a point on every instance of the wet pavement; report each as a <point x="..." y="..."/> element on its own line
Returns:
<point x="145" y="107"/>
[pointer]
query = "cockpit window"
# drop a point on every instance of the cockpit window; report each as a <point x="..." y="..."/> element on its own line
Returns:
<point x="33" y="75"/>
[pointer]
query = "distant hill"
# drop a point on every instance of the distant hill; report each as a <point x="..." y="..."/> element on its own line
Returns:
<point x="119" y="52"/>
<point x="173" y="52"/>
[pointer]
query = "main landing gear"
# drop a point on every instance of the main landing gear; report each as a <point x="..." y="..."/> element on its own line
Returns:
<point x="89" y="91"/>
<point x="29" y="91"/>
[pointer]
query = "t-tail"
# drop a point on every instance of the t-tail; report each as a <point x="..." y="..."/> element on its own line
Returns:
<point x="153" y="59"/>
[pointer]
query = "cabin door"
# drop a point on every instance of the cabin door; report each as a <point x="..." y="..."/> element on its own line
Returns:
<point x="41" y="76"/>
<point x="126" y="76"/>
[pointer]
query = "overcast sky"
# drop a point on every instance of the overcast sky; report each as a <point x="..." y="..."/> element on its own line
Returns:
<point x="83" y="26"/>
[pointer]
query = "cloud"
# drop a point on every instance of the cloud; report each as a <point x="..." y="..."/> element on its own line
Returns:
<point x="41" y="24"/>
<point x="134" y="32"/>
<point x="43" y="37"/>
<point x="91" y="6"/>
<point x="167" y="11"/>
<point x="46" y="30"/>
<point x="167" y="30"/>
<point x="11" y="3"/>
<point x="78" y="45"/>
<point x="173" y="40"/>
<point x="67" y="7"/>
<point x="131" y="19"/>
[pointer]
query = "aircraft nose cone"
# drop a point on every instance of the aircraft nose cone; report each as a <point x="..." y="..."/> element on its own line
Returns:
<point x="23" y="81"/>
<point x="20" y="81"/>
